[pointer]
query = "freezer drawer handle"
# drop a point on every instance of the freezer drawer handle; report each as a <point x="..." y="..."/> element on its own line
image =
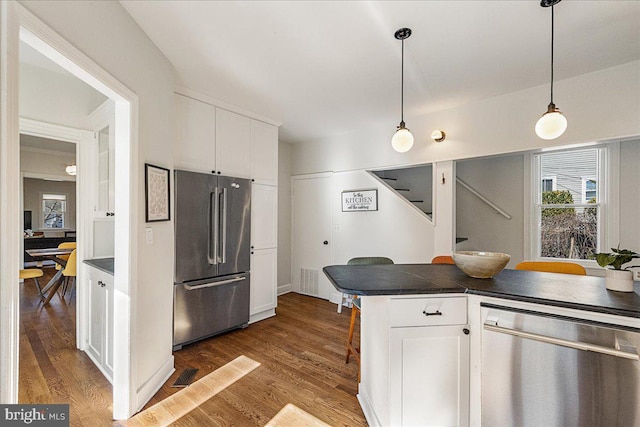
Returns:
<point x="211" y="285"/>
<point x="492" y="325"/>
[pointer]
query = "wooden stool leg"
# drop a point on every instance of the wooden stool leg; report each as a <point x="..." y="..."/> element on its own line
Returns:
<point x="351" y="328"/>
<point x="39" y="288"/>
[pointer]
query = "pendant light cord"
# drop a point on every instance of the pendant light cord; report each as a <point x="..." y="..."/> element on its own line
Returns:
<point x="402" y="86"/>
<point x="552" y="36"/>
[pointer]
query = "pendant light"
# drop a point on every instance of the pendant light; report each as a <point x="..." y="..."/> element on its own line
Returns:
<point x="402" y="140"/>
<point x="71" y="169"/>
<point x="552" y="124"/>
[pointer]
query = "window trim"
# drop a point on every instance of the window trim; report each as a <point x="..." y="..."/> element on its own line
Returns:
<point x="608" y="194"/>
<point x="554" y="181"/>
<point x="584" y="190"/>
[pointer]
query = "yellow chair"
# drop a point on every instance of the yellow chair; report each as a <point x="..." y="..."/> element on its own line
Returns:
<point x="553" y="267"/>
<point x="69" y="271"/>
<point x="355" y="308"/>
<point x="33" y="273"/>
<point x="65" y="245"/>
<point x="442" y="259"/>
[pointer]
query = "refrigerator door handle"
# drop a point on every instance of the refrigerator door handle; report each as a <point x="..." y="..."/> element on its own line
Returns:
<point x="212" y="243"/>
<point x="222" y="256"/>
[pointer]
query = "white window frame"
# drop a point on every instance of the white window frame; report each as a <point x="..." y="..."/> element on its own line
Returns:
<point x="64" y="212"/>
<point x="554" y="181"/>
<point x="608" y="201"/>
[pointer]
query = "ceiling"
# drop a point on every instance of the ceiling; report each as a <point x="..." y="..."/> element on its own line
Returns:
<point x="330" y="67"/>
<point x="50" y="145"/>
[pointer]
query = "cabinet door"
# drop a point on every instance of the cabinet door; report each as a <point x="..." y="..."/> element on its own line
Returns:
<point x="264" y="216"/>
<point x="194" y="144"/>
<point x="233" y="144"/>
<point x="264" y="286"/>
<point x="264" y="153"/>
<point x="430" y="376"/>
<point x="95" y="337"/>
<point x="107" y="358"/>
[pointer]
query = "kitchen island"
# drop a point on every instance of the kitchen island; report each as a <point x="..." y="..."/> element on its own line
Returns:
<point x="428" y="332"/>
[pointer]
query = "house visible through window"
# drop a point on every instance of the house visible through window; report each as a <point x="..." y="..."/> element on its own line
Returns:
<point x="569" y="207"/>
<point x="54" y="207"/>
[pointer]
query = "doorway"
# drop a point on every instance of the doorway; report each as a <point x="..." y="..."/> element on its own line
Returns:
<point x="20" y="25"/>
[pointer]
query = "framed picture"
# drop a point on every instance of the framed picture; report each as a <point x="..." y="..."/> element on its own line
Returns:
<point x="156" y="193"/>
<point x="359" y="200"/>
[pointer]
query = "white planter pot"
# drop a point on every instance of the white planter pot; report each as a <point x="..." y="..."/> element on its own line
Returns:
<point x="619" y="280"/>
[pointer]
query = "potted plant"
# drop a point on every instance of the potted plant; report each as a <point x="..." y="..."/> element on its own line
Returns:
<point x="616" y="277"/>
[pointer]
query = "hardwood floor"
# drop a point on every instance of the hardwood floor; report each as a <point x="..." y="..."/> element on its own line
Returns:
<point x="300" y="353"/>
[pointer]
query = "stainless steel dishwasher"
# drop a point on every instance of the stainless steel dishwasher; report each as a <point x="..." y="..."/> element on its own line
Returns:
<point x="542" y="370"/>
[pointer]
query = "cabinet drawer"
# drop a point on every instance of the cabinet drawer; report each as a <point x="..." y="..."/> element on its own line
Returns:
<point x="411" y="312"/>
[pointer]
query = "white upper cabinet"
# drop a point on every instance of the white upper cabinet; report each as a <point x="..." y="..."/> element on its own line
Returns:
<point x="233" y="144"/>
<point x="195" y="143"/>
<point x="264" y="153"/>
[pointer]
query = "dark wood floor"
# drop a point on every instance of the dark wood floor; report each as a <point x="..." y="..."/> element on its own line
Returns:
<point x="301" y="352"/>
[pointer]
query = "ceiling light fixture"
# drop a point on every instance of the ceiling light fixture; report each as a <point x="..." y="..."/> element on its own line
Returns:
<point x="552" y="124"/>
<point x="71" y="170"/>
<point x="402" y="140"/>
<point x="438" y="135"/>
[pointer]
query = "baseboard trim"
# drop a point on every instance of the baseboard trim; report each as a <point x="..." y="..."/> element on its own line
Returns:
<point x="153" y="384"/>
<point x="367" y="409"/>
<point x="284" y="289"/>
<point x="262" y="315"/>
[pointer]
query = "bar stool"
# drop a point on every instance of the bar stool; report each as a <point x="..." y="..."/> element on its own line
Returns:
<point x="33" y="273"/>
<point x="442" y="259"/>
<point x="553" y="267"/>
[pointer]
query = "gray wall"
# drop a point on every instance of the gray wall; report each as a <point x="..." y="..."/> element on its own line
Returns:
<point x="501" y="180"/>
<point x="630" y="196"/>
<point x="33" y="188"/>
<point x="284" y="216"/>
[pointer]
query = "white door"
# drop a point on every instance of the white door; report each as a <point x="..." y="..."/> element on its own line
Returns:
<point x="311" y="235"/>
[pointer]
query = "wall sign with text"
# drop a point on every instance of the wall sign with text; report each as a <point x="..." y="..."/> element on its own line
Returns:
<point x="359" y="200"/>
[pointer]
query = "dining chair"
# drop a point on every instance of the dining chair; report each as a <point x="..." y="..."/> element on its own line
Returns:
<point x="442" y="259"/>
<point x="65" y="245"/>
<point x="355" y="306"/>
<point x="553" y="267"/>
<point x="33" y="273"/>
<point x="69" y="273"/>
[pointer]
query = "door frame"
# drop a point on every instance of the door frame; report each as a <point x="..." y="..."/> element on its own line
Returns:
<point x="18" y="24"/>
<point x="81" y="139"/>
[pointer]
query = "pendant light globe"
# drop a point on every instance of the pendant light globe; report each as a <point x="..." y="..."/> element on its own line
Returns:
<point x="552" y="124"/>
<point x="402" y="140"/>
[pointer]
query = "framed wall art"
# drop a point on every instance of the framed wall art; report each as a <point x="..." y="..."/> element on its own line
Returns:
<point x="156" y="193"/>
<point x="360" y="200"/>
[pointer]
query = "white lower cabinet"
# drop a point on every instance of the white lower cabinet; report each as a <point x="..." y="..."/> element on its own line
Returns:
<point x="100" y="337"/>
<point x="264" y="286"/>
<point x="415" y="361"/>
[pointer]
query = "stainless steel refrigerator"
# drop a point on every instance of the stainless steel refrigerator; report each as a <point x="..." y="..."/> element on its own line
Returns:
<point x="213" y="244"/>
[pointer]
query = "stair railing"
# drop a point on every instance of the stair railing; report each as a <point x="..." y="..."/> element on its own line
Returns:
<point x="484" y="199"/>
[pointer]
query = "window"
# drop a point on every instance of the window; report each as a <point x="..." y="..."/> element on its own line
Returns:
<point x="549" y="183"/>
<point x="54" y="207"/>
<point x="589" y="190"/>
<point x="568" y="203"/>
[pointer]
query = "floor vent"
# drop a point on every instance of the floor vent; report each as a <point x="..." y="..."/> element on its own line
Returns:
<point x="309" y="281"/>
<point x="185" y="378"/>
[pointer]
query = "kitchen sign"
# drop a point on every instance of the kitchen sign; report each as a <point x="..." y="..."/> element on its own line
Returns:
<point x="359" y="200"/>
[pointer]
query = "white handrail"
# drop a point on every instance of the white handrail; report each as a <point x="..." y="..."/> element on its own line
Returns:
<point x="484" y="199"/>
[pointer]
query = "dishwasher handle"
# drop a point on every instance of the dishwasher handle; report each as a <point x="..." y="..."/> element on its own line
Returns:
<point x="492" y="325"/>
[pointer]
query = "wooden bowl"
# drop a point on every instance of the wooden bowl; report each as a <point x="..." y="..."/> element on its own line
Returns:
<point x="481" y="265"/>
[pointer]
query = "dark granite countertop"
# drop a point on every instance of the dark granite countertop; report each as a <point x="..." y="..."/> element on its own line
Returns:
<point x="561" y="290"/>
<point x="104" y="264"/>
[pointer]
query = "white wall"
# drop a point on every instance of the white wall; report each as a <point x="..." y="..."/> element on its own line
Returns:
<point x="33" y="190"/>
<point x="395" y="230"/>
<point x="284" y="217"/>
<point x="501" y="180"/>
<point x="630" y="196"/>
<point x="56" y="98"/>
<point x="598" y="106"/>
<point x="46" y="163"/>
<point x="106" y="33"/>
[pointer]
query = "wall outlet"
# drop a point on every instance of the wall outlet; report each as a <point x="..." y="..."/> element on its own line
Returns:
<point x="636" y="274"/>
<point x="148" y="235"/>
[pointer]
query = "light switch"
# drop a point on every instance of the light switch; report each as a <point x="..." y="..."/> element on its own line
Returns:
<point x="148" y="235"/>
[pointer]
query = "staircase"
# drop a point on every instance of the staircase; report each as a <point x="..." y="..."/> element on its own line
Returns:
<point x="413" y="184"/>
